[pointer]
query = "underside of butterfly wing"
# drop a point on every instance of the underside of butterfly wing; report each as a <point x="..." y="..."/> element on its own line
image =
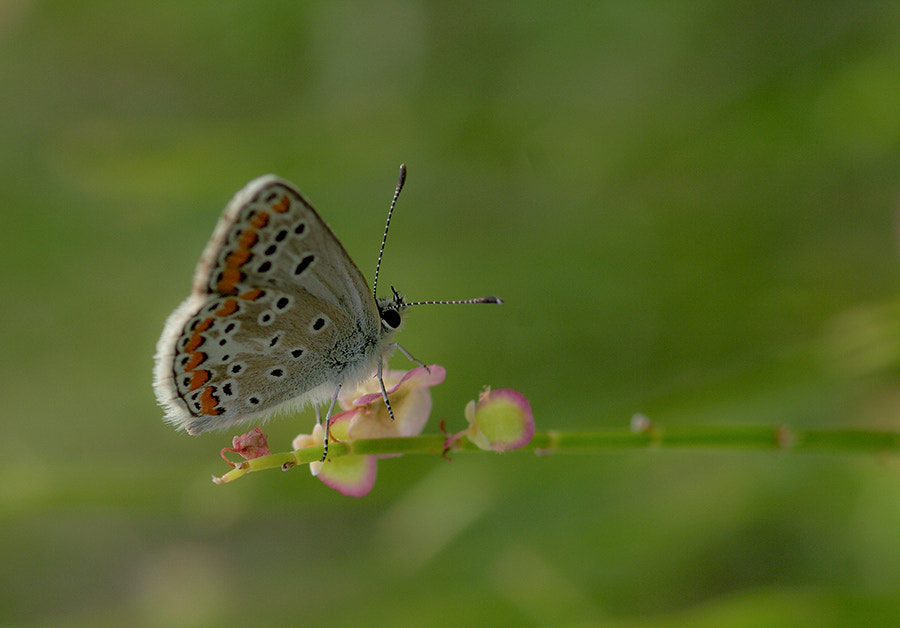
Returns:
<point x="278" y="316"/>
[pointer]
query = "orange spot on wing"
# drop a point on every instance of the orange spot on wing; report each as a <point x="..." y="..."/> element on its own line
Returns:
<point x="252" y="295"/>
<point x="282" y="205"/>
<point x="197" y="337"/>
<point x="205" y="324"/>
<point x="195" y="341"/>
<point x="229" y="280"/>
<point x="238" y="258"/>
<point x="196" y="360"/>
<point x="208" y="402"/>
<point x="229" y="307"/>
<point x="260" y="220"/>
<point x="249" y="238"/>
<point x="198" y="379"/>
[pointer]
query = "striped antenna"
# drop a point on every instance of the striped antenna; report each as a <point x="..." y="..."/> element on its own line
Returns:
<point x="400" y="181"/>
<point x="458" y="302"/>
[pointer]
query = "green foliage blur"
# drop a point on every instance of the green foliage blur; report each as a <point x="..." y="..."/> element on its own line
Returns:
<point x="690" y="210"/>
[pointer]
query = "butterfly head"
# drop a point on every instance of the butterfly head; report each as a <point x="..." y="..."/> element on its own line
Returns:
<point x="391" y="310"/>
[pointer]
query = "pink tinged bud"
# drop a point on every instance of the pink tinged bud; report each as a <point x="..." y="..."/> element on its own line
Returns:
<point x="502" y="420"/>
<point x="250" y="445"/>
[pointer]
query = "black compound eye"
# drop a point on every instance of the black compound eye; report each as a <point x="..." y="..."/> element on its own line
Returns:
<point x="391" y="318"/>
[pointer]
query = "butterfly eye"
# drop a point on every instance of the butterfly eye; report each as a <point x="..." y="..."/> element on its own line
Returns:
<point x="391" y="319"/>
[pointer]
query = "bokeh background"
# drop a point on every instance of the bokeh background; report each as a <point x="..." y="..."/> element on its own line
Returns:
<point x="690" y="209"/>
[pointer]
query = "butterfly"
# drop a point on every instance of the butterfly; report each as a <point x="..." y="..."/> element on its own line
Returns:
<point x="278" y="317"/>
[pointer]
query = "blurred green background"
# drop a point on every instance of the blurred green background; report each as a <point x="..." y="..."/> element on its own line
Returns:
<point x="690" y="209"/>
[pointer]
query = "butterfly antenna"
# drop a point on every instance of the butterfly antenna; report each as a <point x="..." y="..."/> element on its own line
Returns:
<point x="458" y="302"/>
<point x="400" y="181"/>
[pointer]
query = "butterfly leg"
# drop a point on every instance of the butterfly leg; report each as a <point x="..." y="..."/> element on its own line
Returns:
<point x="410" y="357"/>
<point x="384" y="394"/>
<point x="328" y="420"/>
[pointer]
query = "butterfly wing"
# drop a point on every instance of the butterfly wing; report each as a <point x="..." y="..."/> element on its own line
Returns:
<point x="269" y="235"/>
<point x="276" y="314"/>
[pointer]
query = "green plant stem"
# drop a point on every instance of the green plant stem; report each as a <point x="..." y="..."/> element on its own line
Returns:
<point x="723" y="437"/>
